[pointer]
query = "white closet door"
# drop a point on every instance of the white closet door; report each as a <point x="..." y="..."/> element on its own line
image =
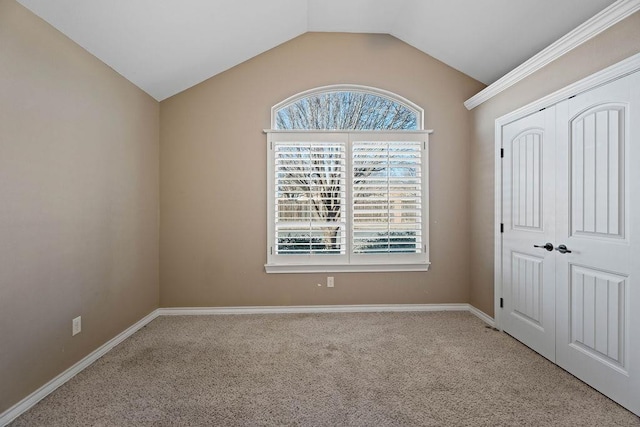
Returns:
<point x="598" y="220"/>
<point x="528" y="273"/>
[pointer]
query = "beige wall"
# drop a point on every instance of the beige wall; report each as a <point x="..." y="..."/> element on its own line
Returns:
<point x="80" y="187"/>
<point x="78" y="202"/>
<point x="213" y="172"/>
<point x="613" y="45"/>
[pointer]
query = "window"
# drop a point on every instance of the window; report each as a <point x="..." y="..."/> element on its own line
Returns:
<point x="347" y="183"/>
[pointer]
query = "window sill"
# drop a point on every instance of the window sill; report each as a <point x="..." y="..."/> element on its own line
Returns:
<point x="345" y="268"/>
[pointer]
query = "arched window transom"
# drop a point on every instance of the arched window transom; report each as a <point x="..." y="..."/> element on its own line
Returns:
<point x="346" y="107"/>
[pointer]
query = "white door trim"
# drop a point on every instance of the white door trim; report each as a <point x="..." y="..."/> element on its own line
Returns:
<point x="616" y="71"/>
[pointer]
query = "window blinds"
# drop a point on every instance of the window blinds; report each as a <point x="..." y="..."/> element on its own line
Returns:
<point x="310" y="198"/>
<point x="386" y="197"/>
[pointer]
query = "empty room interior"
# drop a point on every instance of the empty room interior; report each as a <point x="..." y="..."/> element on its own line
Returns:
<point x="307" y="212"/>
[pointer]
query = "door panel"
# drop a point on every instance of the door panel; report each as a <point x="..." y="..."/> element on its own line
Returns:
<point x="527" y="287"/>
<point x="597" y="306"/>
<point x="598" y="219"/>
<point x="597" y="166"/>
<point x="528" y="213"/>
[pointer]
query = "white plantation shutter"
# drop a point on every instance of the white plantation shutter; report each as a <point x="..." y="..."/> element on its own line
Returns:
<point x="347" y="201"/>
<point x="310" y="198"/>
<point x="387" y="197"/>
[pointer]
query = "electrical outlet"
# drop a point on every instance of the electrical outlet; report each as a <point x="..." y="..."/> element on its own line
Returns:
<point x="76" y="326"/>
<point x="330" y="282"/>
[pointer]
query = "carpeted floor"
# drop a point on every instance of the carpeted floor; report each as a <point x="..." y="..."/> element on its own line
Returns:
<point x="365" y="369"/>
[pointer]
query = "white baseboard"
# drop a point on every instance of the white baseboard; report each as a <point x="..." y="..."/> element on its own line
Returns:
<point x="371" y="308"/>
<point x="482" y="316"/>
<point x="25" y="404"/>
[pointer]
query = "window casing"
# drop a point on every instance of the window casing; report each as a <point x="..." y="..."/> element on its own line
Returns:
<point x="347" y="183"/>
<point x="347" y="201"/>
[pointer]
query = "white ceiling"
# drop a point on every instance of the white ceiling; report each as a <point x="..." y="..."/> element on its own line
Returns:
<point x="166" y="46"/>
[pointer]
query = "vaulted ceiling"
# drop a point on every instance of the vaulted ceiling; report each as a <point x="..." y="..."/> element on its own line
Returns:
<point x="166" y="46"/>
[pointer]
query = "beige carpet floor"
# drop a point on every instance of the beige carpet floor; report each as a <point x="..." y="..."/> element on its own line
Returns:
<point x="366" y="369"/>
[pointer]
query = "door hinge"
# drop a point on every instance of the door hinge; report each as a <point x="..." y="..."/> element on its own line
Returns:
<point x="501" y="303"/>
<point x="502" y="153"/>
<point x="502" y="227"/>
<point x="271" y="250"/>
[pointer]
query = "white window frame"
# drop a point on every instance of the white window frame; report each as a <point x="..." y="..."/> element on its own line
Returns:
<point x="348" y="262"/>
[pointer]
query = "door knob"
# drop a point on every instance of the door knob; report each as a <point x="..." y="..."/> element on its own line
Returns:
<point x="548" y="246"/>
<point x="563" y="249"/>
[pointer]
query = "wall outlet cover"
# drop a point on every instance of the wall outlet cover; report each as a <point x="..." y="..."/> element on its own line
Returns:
<point x="76" y="326"/>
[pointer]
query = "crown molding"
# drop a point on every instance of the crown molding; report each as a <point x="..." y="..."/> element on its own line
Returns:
<point x="618" y="70"/>
<point x="589" y="29"/>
